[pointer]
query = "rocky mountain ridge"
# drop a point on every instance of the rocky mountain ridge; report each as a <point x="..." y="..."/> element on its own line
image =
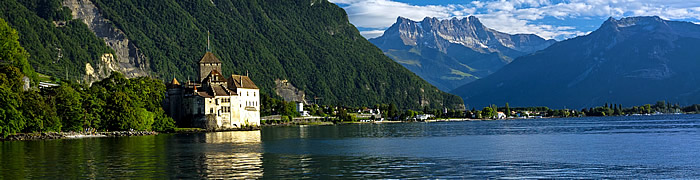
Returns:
<point x="466" y="48"/>
<point x="634" y="60"/>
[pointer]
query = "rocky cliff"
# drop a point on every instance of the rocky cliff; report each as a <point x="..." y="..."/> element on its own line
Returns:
<point x="128" y="60"/>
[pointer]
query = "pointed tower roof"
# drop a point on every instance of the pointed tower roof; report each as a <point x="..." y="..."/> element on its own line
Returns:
<point x="174" y="82"/>
<point x="209" y="58"/>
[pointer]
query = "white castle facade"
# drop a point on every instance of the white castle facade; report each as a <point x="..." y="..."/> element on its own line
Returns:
<point x="214" y="101"/>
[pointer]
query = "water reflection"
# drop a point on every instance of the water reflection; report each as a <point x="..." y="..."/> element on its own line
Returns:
<point x="243" y="160"/>
<point x="233" y="137"/>
<point x="595" y="148"/>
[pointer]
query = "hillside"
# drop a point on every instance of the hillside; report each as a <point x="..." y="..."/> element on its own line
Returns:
<point x="629" y="61"/>
<point x="452" y="52"/>
<point x="310" y="43"/>
<point x="58" y="46"/>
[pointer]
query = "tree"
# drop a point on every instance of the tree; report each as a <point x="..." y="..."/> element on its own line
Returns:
<point x="11" y="52"/>
<point x="11" y="120"/>
<point x="119" y="112"/>
<point x="393" y="111"/>
<point x="93" y="107"/>
<point x="70" y="108"/>
<point x="488" y="112"/>
<point x="163" y="122"/>
<point x="647" y="108"/>
<point x="39" y="114"/>
<point x="507" y="110"/>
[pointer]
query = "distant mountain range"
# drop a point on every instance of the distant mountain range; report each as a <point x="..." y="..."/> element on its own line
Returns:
<point x="452" y="52"/>
<point x="630" y="61"/>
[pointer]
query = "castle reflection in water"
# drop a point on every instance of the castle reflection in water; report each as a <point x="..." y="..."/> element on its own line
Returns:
<point x="242" y="161"/>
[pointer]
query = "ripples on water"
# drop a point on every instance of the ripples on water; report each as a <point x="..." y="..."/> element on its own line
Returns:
<point x="609" y="147"/>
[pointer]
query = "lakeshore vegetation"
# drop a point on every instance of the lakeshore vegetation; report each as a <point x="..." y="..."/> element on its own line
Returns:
<point x="115" y="103"/>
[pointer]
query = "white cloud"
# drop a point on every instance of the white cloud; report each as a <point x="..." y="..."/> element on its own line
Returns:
<point x="372" y="33"/>
<point x="383" y="13"/>
<point x="517" y="16"/>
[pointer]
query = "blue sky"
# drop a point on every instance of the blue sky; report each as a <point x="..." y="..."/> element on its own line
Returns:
<point x="551" y="19"/>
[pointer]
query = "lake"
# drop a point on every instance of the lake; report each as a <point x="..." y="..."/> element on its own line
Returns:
<point x="665" y="146"/>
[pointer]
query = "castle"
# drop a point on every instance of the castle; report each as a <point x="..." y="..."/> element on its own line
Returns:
<point x="213" y="102"/>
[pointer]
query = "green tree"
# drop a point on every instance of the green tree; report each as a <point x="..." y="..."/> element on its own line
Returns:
<point x="143" y="121"/>
<point x="647" y="108"/>
<point x="11" y="120"/>
<point x="69" y="108"/>
<point x="392" y="111"/>
<point x="93" y="106"/>
<point x="488" y="112"/>
<point x="40" y="114"/>
<point x="119" y="112"/>
<point x="11" y="52"/>
<point x="507" y="110"/>
<point x="162" y="122"/>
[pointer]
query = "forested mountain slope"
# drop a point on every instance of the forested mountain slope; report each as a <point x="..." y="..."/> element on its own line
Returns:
<point x="57" y="45"/>
<point x="310" y="43"/>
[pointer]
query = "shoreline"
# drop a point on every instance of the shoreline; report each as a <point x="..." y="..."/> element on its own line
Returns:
<point x="77" y="135"/>
<point x="73" y="135"/>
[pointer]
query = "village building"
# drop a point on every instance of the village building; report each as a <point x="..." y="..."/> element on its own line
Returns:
<point x="213" y="101"/>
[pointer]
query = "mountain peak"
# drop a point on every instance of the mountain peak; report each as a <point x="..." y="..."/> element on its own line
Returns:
<point x="635" y="54"/>
<point x="451" y="52"/>
<point x="401" y="19"/>
<point x="633" y="21"/>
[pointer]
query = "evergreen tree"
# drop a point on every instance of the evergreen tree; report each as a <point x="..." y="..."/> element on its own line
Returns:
<point x="507" y="110"/>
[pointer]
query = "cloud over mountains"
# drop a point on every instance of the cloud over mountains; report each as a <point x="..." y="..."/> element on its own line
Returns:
<point x="546" y="18"/>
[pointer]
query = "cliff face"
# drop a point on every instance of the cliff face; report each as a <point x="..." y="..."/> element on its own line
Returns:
<point x="127" y="58"/>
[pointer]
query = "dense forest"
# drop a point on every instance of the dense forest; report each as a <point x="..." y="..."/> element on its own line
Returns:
<point x="115" y="103"/>
<point x="310" y="43"/>
<point x="58" y="45"/>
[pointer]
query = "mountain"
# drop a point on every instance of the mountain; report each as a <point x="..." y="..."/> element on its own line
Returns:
<point x="450" y="53"/>
<point x="309" y="43"/>
<point x="631" y="61"/>
<point x="58" y="45"/>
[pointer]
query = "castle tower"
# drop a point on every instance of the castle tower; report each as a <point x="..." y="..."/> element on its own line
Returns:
<point x="208" y="63"/>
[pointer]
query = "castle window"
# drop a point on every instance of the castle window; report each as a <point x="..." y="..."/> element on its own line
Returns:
<point x="211" y="110"/>
<point x="253" y="94"/>
<point x="246" y="94"/>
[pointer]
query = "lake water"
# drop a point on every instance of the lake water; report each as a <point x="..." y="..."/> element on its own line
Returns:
<point x="609" y="147"/>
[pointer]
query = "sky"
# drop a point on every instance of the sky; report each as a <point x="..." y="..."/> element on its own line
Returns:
<point x="550" y="19"/>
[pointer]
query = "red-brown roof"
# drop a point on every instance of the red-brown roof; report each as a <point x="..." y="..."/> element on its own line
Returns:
<point x="215" y="73"/>
<point x="209" y="58"/>
<point x="235" y="82"/>
<point x="220" y="90"/>
<point x="204" y="94"/>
